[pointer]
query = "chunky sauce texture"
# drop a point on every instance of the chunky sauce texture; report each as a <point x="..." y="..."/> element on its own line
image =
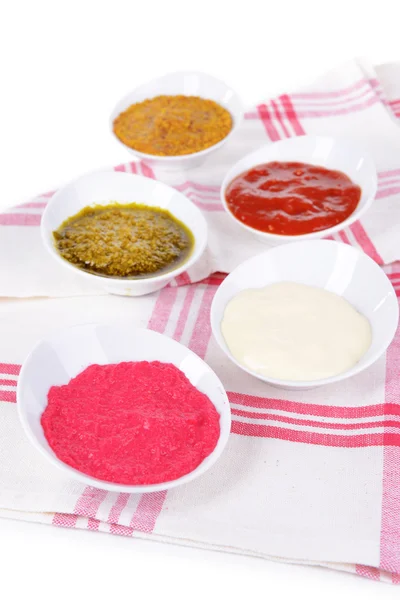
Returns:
<point x="292" y="198"/>
<point x="133" y="423"/>
<point x="173" y="125"/>
<point x="124" y="240"/>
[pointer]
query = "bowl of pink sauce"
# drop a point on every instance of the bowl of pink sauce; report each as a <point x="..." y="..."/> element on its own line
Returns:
<point x="122" y="409"/>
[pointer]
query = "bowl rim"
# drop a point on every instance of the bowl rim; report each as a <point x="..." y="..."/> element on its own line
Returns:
<point x="193" y="257"/>
<point x="237" y="120"/>
<point x="204" y="466"/>
<point x="306" y="384"/>
<point x="273" y="237"/>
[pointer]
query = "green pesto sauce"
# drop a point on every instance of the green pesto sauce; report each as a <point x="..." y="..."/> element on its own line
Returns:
<point x="124" y="240"/>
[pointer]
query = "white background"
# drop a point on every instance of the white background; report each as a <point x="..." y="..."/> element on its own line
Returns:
<point x="64" y="64"/>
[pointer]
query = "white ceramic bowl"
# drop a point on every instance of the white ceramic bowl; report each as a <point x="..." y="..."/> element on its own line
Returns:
<point x="54" y="361"/>
<point x="336" y="267"/>
<point x="187" y="83"/>
<point x="105" y="187"/>
<point x="327" y="152"/>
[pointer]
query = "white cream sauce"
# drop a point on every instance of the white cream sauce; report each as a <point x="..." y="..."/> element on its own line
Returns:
<point x="295" y="332"/>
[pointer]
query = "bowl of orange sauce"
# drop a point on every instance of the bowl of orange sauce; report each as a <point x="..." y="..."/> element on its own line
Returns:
<point x="301" y="188"/>
<point x="178" y="120"/>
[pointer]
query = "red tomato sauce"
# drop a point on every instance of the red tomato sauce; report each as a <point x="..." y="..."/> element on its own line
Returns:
<point x="131" y="423"/>
<point x="292" y="198"/>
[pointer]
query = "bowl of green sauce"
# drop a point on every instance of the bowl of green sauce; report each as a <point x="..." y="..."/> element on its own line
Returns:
<point x="129" y="234"/>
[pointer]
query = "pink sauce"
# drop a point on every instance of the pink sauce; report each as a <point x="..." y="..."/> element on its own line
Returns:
<point x="132" y="423"/>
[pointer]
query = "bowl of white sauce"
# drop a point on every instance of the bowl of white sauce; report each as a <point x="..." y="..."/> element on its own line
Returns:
<point x="305" y="314"/>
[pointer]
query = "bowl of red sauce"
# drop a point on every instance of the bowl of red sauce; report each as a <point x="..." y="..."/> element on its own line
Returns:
<point x="305" y="187"/>
<point x="122" y="409"/>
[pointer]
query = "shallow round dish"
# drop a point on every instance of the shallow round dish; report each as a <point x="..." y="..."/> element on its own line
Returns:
<point x="187" y="83"/>
<point x="333" y="266"/>
<point x="57" y="359"/>
<point x="105" y="187"/>
<point x="325" y="152"/>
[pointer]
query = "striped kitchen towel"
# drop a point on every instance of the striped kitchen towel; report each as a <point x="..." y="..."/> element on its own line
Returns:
<point x="307" y="477"/>
<point x="354" y="101"/>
